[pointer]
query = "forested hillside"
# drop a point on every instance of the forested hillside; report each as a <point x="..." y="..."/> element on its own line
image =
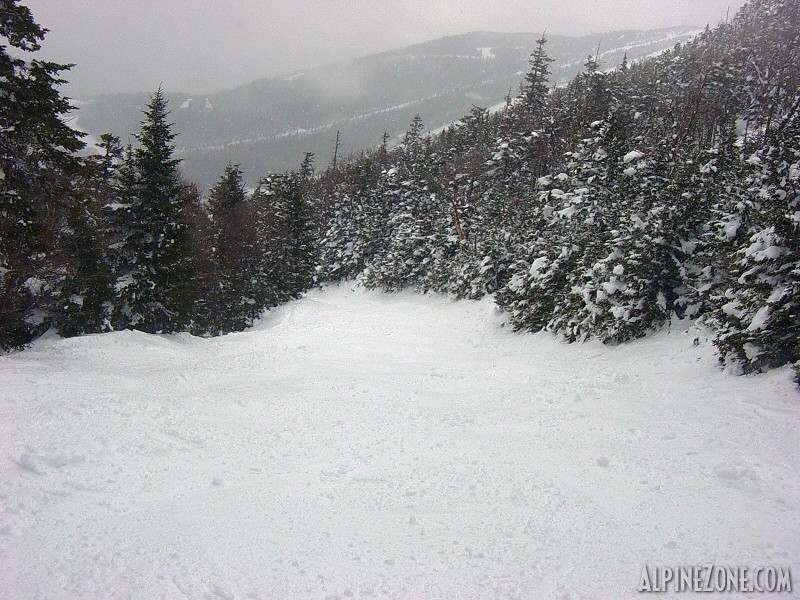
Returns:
<point x="635" y="194"/>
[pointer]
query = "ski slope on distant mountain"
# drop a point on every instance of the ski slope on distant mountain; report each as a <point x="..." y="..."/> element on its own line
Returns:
<point x="363" y="445"/>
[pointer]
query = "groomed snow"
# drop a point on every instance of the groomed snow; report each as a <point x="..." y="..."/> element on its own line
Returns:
<point x="356" y="444"/>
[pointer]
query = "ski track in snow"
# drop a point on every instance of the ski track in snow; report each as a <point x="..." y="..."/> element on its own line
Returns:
<point x="358" y="444"/>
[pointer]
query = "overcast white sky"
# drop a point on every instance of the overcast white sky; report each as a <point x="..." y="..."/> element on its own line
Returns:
<point x="206" y="45"/>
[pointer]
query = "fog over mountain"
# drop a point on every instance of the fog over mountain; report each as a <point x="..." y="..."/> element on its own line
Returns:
<point x="203" y="46"/>
<point x="269" y="124"/>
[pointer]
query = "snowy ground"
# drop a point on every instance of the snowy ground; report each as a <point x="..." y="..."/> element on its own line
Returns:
<point x="364" y="445"/>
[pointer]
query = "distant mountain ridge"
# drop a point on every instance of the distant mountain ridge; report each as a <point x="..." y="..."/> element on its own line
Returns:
<point x="268" y="125"/>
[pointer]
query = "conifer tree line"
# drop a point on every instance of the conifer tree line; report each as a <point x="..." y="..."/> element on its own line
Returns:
<point x="118" y="240"/>
<point x="634" y="195"/>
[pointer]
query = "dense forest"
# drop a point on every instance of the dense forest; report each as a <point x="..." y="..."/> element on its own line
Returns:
<point x="634" y="195"/>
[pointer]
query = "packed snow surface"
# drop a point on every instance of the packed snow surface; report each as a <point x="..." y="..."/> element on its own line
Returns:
<point x="357" y="444"/>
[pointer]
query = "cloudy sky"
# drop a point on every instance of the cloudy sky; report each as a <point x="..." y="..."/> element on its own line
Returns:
<point x="206" y="45"/>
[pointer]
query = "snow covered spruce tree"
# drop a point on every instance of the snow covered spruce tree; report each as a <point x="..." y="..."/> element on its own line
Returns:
<point x="455" y="261"/>
<point x="155" y="281"/>
<point x="476" y="266"/>
<point x="520" y="155"/>
<point x="84" y="303"/>
<point x="531" y="110"/>
<point x="573" y="219"/>
<point x="38" y="167"/>
<point x="352" y="234"/>
<point x="285" y="226"/>
<point x="85" y="293"/>
<point x="400" y="260"/>
<point x="231" y="297"/>
<point x="753" y="288"/>
<point x="759" y="324"/>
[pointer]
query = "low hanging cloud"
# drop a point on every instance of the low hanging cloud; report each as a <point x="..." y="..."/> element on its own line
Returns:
<point x="340" y="82"/>
<point x="200" y="46"/>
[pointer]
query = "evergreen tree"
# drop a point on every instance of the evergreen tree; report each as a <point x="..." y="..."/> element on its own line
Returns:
<point x="759" y="325"/>
<point x="307" y="167"/>
<point x="294" y="251"/>
<point x="112" y="154"/>
<point x="400" y="259"/>
<point x="157" y="286"/>
<point x="233" y="298"/>
<point x="535" y="87"/>
<point x="85" y="294"/>
<point x="353" y="233"/>
<point x="38" y="166"/>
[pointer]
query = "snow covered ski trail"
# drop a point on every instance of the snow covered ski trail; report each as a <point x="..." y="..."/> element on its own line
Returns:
<point x="357" y="444"/>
